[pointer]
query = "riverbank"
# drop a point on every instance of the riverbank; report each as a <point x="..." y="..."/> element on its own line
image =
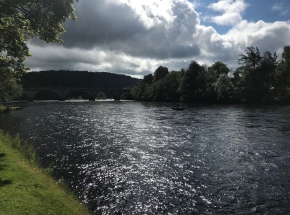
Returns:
<point x="2" y="108"/>
<point x="5" y="109"/>
<point x="27" y="189"/>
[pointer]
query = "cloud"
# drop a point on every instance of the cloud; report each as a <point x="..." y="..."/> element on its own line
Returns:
<point x="142" y="30"/>
<point x="231" y="10"/>
<point x="135" y="37"/>
<point x="53" y="57"/>
<point x="277" y="7"/>
<point x="281" y="8"/>
<point x="159" y="30"/>
<point x="262" y="34"/>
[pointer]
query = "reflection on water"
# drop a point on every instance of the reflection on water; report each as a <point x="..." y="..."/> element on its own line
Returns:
<point x="144" y="158"/>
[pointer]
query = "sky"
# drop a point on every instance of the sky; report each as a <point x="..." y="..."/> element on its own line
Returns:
<point x="134" y="37"/>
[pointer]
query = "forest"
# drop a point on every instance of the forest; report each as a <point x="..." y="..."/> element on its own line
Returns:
<point x="81" y="79"/>
<point x="260" y="78"/>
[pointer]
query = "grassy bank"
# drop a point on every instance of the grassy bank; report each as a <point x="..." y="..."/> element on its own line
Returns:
<point x="2" y="108"/>
<point x="27" y="189"/>
<point x="5" y="109"/>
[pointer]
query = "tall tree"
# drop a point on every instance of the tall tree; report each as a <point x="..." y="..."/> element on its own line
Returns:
<point x="21" y="20"/>
<point x="250" y="63"/>
<point x="283" y="69"/>
<point x="258" y="75"/>
<point x="282" y="77"/>
<point x="148" y="78"/>
<point x="212" y="75"/>
<point x="171" y="84"/>
<point x="193" y="82"/>
<point x="9" y="88"/>
<point x="224" y="88"/>
<point x="251" y="59"/>
<point x="219" y="68"/>
<point x="160" y="73"/>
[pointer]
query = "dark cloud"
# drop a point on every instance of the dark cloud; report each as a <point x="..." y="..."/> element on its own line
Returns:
<point x="101" y="23"/>
<point x="120" y="28"/>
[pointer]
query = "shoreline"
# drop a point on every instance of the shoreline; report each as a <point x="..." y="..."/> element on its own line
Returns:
<point x="6" y="109"/>
<point x="28" y="189"/>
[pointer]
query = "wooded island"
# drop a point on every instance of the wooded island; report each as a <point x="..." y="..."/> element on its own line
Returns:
<point x="259" y="79"/>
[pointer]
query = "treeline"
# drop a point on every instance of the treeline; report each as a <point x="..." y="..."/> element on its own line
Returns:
<point x="261" y="78"/>
<point x="81" y="79"/>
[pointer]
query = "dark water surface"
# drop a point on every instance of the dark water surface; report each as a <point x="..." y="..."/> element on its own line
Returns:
<point x="144" y="158"/>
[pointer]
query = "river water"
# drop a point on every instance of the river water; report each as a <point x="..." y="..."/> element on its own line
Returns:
<point x="144" y="158"/>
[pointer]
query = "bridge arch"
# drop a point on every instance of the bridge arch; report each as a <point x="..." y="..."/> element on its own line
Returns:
<point x="46" y="95"/>
<point x="62" y="93"/>
<point x="76" y="93"/>
<point x="115" y="95"/>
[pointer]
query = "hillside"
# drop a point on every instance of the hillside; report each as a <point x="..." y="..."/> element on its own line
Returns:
<point x="64" y="78"/>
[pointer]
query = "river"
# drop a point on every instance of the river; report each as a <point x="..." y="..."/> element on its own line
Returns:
<point x="144" y="158"/>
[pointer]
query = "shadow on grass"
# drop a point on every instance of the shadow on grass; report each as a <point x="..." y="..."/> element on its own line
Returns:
<point x="1" y="159"/>
<point x="3" y="182"/>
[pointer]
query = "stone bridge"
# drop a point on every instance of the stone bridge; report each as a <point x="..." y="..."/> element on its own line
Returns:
<point x="63" y="92"/>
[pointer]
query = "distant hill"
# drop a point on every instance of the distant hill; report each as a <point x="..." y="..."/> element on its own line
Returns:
<point x="64" y="78"/>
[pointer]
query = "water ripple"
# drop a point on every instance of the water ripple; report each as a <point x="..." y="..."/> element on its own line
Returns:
<point x="144" y="158"/>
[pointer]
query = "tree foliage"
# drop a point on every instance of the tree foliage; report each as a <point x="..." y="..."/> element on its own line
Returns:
<point x="101" y="95"/>
<point x="21" y="20"/>
<point x="259" y="79"/>
<point x="251" y="59"/>
<point x="160" y="73"/>
<point x="9" y="88"/>
<point x="224" y="88"/>
<point x="219" y="68"/>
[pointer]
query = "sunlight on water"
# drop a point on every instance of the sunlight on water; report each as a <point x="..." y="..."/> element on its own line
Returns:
<point x="144" y="158"/>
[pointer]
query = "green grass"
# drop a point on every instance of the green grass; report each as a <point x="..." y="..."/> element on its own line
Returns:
<point x="2" y="108"/>
<point x="27" y="189"/>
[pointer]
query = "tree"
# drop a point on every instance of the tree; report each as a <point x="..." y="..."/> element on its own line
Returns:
<point x="140" y="91"/>
<point x="192" y="85"/>
<point x="160" y="73"/>
<point x="252" y="58"/>
<point x="283" y="69"/>
<point x="282" y="77"/>
<point x="126" y="96"/>
<point x="101" y="95"/>
<point x="219" y="68"/>
<point x="171" y="84"/>
<point x="258" y="75"/>
<point x="268" y="65"/>
<point x="224" y="88"/>
<point x="156" y="92"/>
<point x="238" y="83"/>
<point x="21" y="20"/>
<point x="148" y="78"/>
<point x="211" y="76"/>
<point x="9" y="88"/>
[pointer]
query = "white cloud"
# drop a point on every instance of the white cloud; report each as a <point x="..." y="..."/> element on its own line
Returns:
<point x="281" y="8"/>
<point x="231" y="11"/>
<point x="151" y="12"/>
<point x="277" y="7"/>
